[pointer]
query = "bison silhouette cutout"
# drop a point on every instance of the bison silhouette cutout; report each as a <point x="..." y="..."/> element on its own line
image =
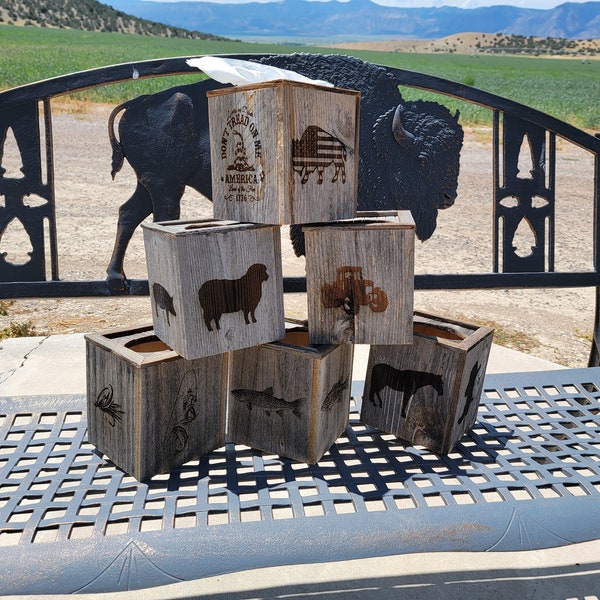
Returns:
<point x="220" y="296"/>
<point x="406" y="381"/>
<point x="409" y="150"/>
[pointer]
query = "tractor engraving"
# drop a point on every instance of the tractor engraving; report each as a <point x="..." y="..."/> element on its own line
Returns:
<point x="350" y="291"/>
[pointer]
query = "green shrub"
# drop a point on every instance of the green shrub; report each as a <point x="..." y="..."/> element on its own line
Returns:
<point x="4" y="306"/>
<point x="15" y="330"/>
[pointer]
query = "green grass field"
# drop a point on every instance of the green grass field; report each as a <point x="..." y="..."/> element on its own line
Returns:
<point x="568" y="89"/>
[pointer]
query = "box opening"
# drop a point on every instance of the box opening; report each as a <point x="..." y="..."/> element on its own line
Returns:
<point x="355" y="221"/>
<point x="202" y="225"/>
<point x="147" y="345"/>
<point x="441" y="331"/>
<point x="181" y="223"/>
<point x="297" y="336"/>
<point x="113" y="335"/>
<point x="366" y="221"/>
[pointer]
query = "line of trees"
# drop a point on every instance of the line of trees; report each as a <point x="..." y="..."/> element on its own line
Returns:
<point x="535" y="45"/>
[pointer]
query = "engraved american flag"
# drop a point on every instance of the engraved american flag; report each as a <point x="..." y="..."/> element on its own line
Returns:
<point x="315" y="151"/>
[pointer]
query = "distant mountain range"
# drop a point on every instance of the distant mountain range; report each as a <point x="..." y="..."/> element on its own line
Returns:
<point x="360" y="18"/>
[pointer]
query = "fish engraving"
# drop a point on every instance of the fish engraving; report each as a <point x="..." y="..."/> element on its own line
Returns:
<point x="267" y="401"/>
<point x="181" y="437"/>
<point x="108" y="406"/>
<point x="335" y="394"/>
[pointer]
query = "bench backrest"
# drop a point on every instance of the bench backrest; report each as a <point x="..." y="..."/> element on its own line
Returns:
<point x="514" y="197"/>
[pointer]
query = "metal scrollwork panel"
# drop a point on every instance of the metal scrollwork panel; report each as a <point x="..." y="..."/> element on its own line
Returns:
<point x="26" y="195"/>
<point x="524" y="196"/>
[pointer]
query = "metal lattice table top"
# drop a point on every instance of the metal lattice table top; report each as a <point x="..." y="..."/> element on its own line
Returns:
<point x="526" y="476"/>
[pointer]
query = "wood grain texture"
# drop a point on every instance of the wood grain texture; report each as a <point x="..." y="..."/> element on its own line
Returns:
<point x="213" y="280"/>
<point x="289" y="398"/>
<point x="360" y="279"/>
<point x="150" y="410"/>
<point x="428" y="393"/>
<point x="284" y="152"/>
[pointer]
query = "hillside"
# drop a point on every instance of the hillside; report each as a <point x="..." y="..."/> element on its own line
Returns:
<point x="87" y="15"/>
<point x="337" y="21"/>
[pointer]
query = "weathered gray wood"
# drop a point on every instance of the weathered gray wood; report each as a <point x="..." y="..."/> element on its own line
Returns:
<point x="360" y="279"/>
<point x="290" y="398"/>
<point x="428" y="393"/>
<point x="149" y="409"/>
<point x="284" y="152"/>
<point x="215" y="285"/>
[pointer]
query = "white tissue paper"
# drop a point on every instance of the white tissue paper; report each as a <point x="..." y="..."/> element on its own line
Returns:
<point x="243" y="72"/>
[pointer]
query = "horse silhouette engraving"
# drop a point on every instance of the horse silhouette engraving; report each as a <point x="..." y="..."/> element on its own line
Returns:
<point x="408" y="382"/>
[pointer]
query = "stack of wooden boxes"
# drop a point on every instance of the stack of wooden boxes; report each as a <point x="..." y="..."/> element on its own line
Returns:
<point x="219" y="361"/>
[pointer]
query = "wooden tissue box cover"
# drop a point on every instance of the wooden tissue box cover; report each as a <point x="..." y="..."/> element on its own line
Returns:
<point x="290" y="398"/>
<point x="284" y="152"/>
<point x="428" y="393"/>
<point x="215" y="286"/>
<point x="149" y="409"/>
<point x="360" y="279"/>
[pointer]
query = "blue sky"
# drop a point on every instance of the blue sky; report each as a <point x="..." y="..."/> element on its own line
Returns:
<point x="416" y="3"/>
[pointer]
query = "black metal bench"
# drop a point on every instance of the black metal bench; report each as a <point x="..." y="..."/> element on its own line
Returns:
<point x="525" y="477"/>
<point x="514" y="197"/>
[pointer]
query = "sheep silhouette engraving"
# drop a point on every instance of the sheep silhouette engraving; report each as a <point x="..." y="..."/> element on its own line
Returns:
<point x="220" y="296"/>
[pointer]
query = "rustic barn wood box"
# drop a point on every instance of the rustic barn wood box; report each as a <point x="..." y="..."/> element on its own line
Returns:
<point x="428" y="393"/>
<point x="150" y="410"/>
<point x="360" y="279"/>
<point x="284" y="152"/>
<point x="215" y="286"/>
<point x="289" y="397"/>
